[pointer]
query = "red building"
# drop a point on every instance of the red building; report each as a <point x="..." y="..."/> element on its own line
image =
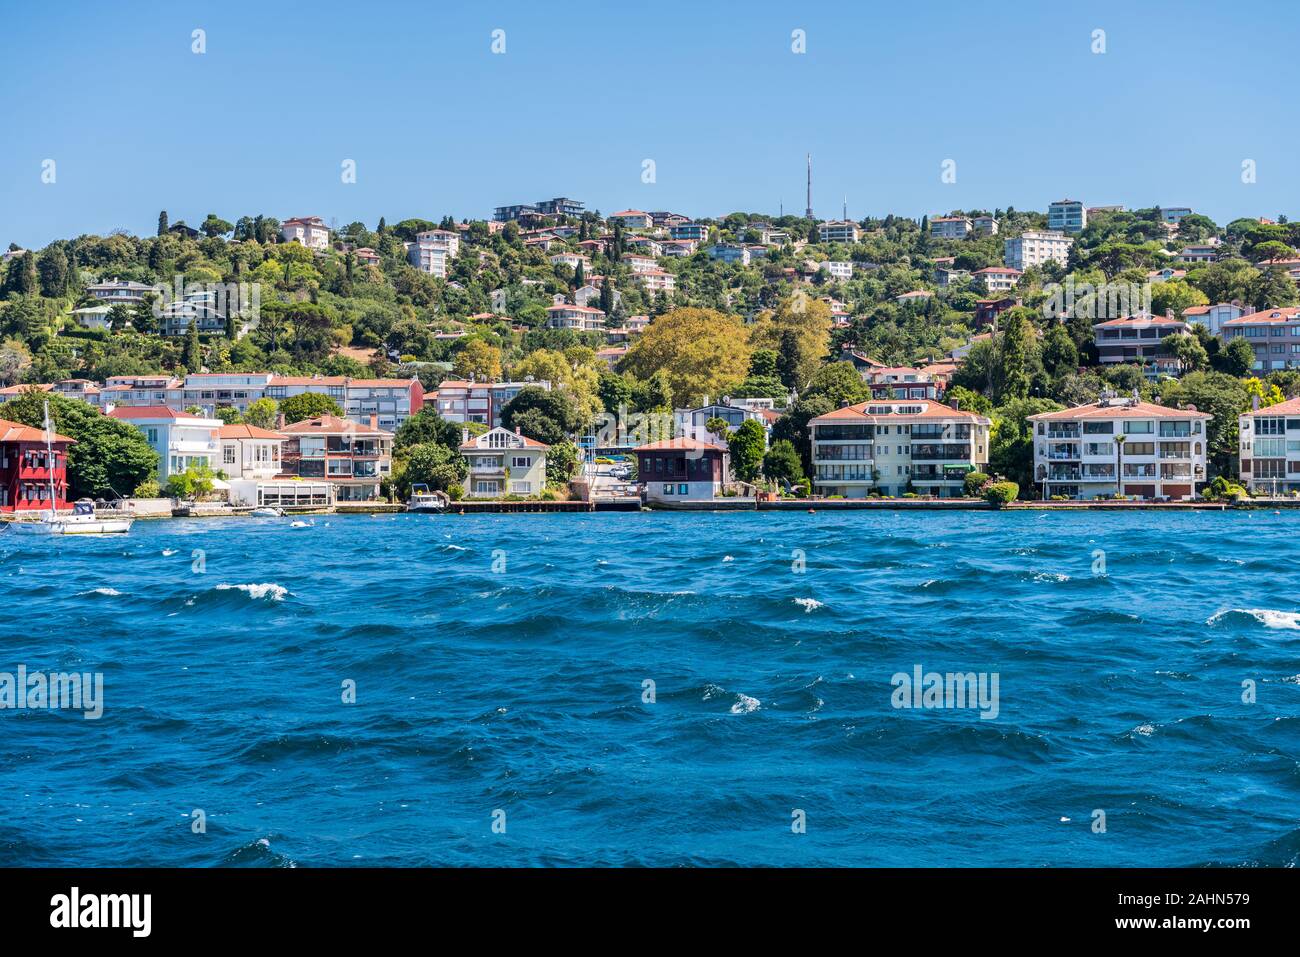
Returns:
<point x="25" y="469"/>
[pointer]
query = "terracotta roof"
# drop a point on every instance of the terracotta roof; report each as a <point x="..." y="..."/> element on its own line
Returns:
<point x="1139" y="321"/>
<point x="331" y="425"/>
<point x="929" y="410"/>
<point x="247" y="432"/>
<point x="1286" y="314"/>
<point x="148" y="412"/>
<point x="1119" y="410"/>
<point x="999" y="269"/>
<point x="1289" y="407"/>
<point x="17" y="432"/>
<point x="679" y="445"/>
<point x="473" y="446"/>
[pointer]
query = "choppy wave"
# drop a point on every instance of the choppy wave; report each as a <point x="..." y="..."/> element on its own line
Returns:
<point x="1268" y="617"/>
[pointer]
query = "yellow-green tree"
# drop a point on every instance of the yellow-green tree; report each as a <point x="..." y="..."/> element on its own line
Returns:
<point x="478" y="360"/>
<point x="798" y="330"/>
<point x="573" y="371"/>
<point x="700" y="352"/>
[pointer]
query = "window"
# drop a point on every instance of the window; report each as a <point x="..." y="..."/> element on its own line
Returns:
<point x="228" y="455"/>
<point x="668" y="488"/>
<point x="1098" y="428"/>
<point x="520" y="462"/>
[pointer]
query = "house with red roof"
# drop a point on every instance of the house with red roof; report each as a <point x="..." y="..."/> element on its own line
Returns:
<point x="1269" y="438"/>
<point x="1120" y="446"/>
<point x="502" y="463"/>
<point x="26" y="468"/>
<point x="1274" y="334"/>
<point x="633" y="218"/>
<point x="894" y="446"/>
<point x="353" y="458"/>
<point x="1140" y="339"/>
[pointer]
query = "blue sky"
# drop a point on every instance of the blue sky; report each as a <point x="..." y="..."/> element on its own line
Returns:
<point x="438" y="124"/>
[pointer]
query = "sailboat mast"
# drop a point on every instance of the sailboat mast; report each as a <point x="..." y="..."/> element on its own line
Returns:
<point x="49" y="459"/>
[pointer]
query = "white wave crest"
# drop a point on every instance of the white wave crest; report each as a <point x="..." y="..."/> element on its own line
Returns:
<point x="110" y="592"/>
<point x="265" y="589"/>
<point x="1268" y="617"/>
<point x="808" y="603"/>
<point x="744" y="704"/>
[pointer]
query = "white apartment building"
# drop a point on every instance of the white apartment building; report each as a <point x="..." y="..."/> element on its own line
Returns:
<point x="181" y="440"/>
<point x="838" y="231"/>
<point x="985" y="226"/>
<point x="839" y="271"/>
<point x="572" y="260"/>
<point x="460" y="401"/>
<point x="389" y="401"/>
<point x="502" y="462"/>
<point x="657" y="280"/>
<point x="428" y="257"/>
<point x="1270" y="447"/>
<point x="1034" y="247"/>
<point x="1120" y="446"/>
<point x="1067" y="215"/>
<point x="891" y="447"/>
<point x="998" y="278"/>
<point x="311" y="231"/>
<point x="580" y="318"/>
<point x="249" y="452"/>
<point x="951" y="227"/>
<point x="729" y="253"/>
<point x="633" y="218"/>
<point x="444" y="238"/>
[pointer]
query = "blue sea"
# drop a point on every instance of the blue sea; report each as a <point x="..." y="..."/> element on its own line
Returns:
<point x="659" y="689"/>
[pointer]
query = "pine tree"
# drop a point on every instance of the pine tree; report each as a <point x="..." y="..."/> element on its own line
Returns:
<point x="607" y="296"/>
<point x="579" y="277"/>
<point x="193" y="351"/>
<point x="162" y="223"/>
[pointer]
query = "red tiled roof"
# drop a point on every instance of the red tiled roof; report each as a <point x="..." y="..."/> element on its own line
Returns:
<point x="331" y="425"/>
<point x="1285" y="314"/>
<point x="148" y="412"/>
<point x="679" y="445"/>
<point x="1139" y="321"/>
<point x="17" y="432"/>
<point x="1289" y="407"/>
<point x="1119" y="410"/>
<point x="247" y="432"/>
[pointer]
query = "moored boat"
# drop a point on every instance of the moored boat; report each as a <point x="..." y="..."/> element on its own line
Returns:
<point x="426" y="501"/>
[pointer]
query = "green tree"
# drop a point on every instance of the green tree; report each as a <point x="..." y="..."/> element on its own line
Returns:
<point x="547" y="416"/>
<point x="746" y="448"/>
<point x="1237" y="358"/>
<point x="308" y="405"/>
<point x="562" y="461"/>
<point x="426" y="427"/>
<point x="109" y="458"/>
<point x="431" y="464"/>
<point x="162" y="223"/>
<point x="261" y="413"/>
<point x="782" y="463"/>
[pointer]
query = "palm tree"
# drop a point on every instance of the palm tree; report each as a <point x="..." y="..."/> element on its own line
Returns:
<point x="1119" y="463"/>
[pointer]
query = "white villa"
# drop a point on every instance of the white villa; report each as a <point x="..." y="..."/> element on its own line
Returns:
<point x="180" y="439"/>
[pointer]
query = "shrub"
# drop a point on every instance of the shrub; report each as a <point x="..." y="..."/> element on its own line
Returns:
<point x="1223" y="490"/>
<point x="147" y="489"/>
<point x="455" y="492"/>
<point x="1001" y="493"/>
<point x="974" y="482"/>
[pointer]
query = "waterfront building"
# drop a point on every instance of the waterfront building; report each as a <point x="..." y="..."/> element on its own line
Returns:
<point x="352" y="458"/>
<point x="681" y="470"/>
<point x="181" y="440"/>
<point x="26" y="468"/>
<point x="892" y="447"/>
<point x="393" y="401"/>
<point x="249" y="452"/>
<point x="502" y="462"/>
<point x="1120" y="446"/>
<point x="1270" y="447"/>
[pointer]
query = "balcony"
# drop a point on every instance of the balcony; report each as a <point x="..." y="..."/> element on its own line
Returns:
<point x="1064" y="475"/>
<point x="1060" y="433"/>
<point x="941" y="453"/>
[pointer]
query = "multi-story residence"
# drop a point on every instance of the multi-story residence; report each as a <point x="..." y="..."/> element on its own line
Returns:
<point x="26" y="468"/>
<point x="311" y="231"/>
<point x="633" y="218"/>
<point x="902" y="382"/>
<point x="392" y="401"/>
<point x="729" y="253"/>
<point x="119" y="290"/>
<point x="657" y="280"/>
<point x="249" y="452"/>
<point x="681" y="471"/>
<point x="502" y="462"/>
<point x="217" y="390"/>
<point x="679" y="248"/>
<point x="1120" y="446"/>
<point x="580" y="318"/>
<point x="131" y="390"/>
<point x="429" y="257"/>
<point x="1290" y="266"/>
<point x="666" y="220"/>
<point x="951" y="227"/>
<point x="1067" y="216"/>
<point x="988" y="310"/>
<point x="639" y="263"/>
<point x="572" y="260"/>
<point x="197" y="307"/>
<point x="839" y="271"/>
<point x="441" y="238"/>
<point x="1213" y="317"/>
<point x="1274" y="334"/>
<point x="180" y="439"/>
<point x="94" y="317"/>
<point x="647" y="245"/>
<point x="945" y="276"/>
<point x="1036" y="247"/>
<point x="1206" y="253"/>
<point x="460" y="401"/>
<point x="997" y="278"/>
<point x="892" y="447"/>
<point x="693" y="423"/>
<point x="985" y="226"/>
<point x="1270" y="447"/>
<point x="838" y="231"/>
<point x="1141" y="340"/>
<point x="366" y="256"/>
<point x="1174" y="214"/>
<point x="352" y="458"/>
<point x="560" y="206"/>
<point x="696" y="232"/>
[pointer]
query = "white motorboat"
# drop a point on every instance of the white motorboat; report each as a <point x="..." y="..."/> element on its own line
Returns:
<point x="267" y="511"/>
<point x="82" y="521"/>
<point x="425" y="500"/>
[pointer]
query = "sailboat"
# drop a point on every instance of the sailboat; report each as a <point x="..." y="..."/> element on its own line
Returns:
<point x="82" y="521"/>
